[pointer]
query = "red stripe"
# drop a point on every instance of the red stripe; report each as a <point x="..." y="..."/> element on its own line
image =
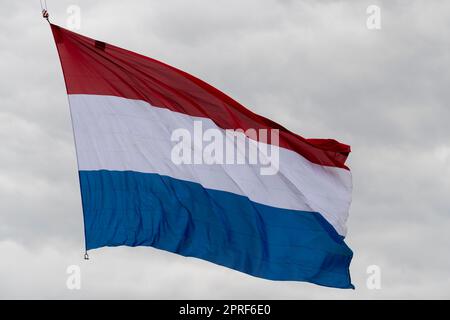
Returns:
<point x="93" y="67"/>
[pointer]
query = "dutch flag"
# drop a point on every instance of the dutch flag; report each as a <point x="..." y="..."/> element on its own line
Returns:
<point x="153" y="172"/>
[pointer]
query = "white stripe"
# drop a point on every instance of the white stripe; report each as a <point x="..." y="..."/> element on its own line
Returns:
<point x="115" y="133"/>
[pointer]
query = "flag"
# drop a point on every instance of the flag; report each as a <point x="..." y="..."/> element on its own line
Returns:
<point x="168" y="161"/>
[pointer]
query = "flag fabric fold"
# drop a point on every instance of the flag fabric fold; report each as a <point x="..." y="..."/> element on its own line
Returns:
<point x="125" y="109"/>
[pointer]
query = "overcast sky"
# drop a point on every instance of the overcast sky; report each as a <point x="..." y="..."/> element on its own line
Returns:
<point x="312" y="66"/>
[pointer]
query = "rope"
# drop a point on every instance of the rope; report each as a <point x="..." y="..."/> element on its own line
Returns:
<point x="45" y="14"/>
<point x="43" y="4"/>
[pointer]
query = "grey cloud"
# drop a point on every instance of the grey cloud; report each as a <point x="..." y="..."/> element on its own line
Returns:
<point x="311" y="65"/>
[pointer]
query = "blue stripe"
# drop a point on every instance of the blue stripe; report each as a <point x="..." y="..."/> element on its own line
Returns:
<point x="141" y="209"/>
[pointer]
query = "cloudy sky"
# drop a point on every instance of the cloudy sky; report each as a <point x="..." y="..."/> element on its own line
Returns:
<point x="313" y="66"/>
